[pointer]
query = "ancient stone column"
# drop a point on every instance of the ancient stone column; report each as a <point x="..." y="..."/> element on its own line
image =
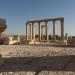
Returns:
<point x="39" y="31"/>
<point x="30" y="25"/>
<point x="32" y="30"/>
<point x="46" y="30"/>
<point x="42" y="33"/>
<point x="54" y="37"/>
<point x="62" y="29"/>
<point x="26" y="33"/>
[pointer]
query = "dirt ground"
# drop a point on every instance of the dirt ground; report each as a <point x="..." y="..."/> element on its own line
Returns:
<point x="37" y="60"/>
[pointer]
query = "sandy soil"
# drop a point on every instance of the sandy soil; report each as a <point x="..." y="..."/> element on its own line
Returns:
<point x="37" y="60"/>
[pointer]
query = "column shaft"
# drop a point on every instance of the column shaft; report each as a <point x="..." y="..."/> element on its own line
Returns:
<point x="32" y="31"/>
<point x="62" y="29"/>
<point x="46" y="30"/>
<point x="39" y="31"/>
<point x="42" y="33"/>
<point x="54" y="37"/>
<point x="26" y="33"/>
<point x="30" y="25"/>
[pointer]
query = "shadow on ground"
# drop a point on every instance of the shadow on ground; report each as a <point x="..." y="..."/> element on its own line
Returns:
<point x="49" y="63"/>
<point x="59" y="45"/>
<point x="71" y="46"/>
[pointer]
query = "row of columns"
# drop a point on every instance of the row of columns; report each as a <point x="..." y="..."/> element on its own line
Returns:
<point x="31" y="31"/>
<point x="32" y="36"/>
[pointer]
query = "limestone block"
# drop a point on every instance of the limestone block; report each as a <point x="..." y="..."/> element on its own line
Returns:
<point x="34" y="42"/>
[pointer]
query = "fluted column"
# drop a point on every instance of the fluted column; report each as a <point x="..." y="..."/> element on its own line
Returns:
<point x="46" y="30"/>
<point x="62" y="29"/>
<point x="54" y="37"/>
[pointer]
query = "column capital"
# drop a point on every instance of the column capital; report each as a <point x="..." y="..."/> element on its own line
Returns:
<point x="39" y="22"/>
<point x="46" y="22"/>
<point x="32" y="23"/>
<point x="62" y="20"/>
<point x="54" y="20"/>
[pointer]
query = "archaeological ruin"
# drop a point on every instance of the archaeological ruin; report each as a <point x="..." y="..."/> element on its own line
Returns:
<point x="30" y="28"/>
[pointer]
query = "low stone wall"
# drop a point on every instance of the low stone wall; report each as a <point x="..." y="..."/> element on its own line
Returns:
<point x="71" y="41"/>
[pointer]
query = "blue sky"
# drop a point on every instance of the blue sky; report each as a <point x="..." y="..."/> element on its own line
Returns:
<point x="18" y="12"/>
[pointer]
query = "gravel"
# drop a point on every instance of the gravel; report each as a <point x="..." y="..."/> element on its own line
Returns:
<point x="37" y="60"/>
